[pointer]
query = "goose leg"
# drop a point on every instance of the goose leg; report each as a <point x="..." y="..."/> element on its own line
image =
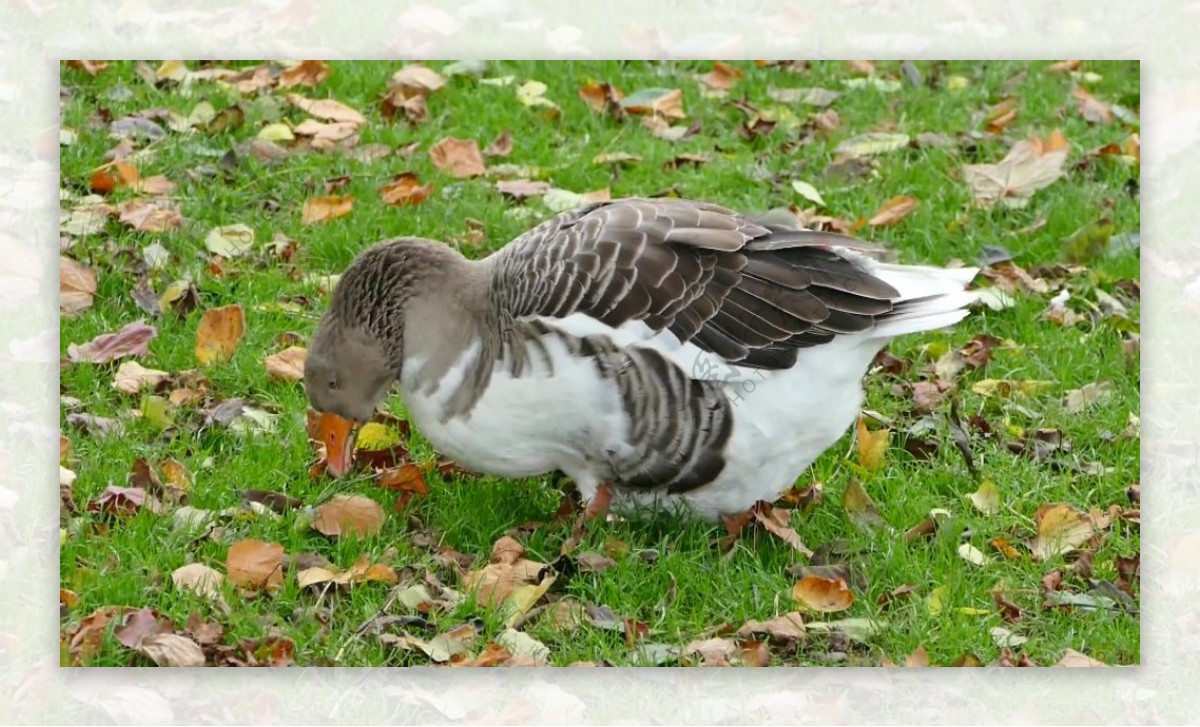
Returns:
<point x="600" y="502"/>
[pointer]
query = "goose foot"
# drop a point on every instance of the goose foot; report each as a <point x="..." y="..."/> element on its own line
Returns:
<point x="598" y="507"/>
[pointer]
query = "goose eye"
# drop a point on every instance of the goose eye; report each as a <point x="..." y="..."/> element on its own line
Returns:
<point x="334" y="385"/>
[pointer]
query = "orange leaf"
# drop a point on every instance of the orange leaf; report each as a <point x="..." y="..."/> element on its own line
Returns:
<point x="405" y="189"/>
<point x="894" y="210"/>
<point x="872" y="446"/>
<point x="306" y="73"/>
<point x="826" y="595"/>
<point x="349" y="515"/>
<point x="1000" y="115"/>
<point x="109" y="177"/>
<point x="323" y="209"/>
<point x="255" y="564"/>
<point x="219" y="333"/>
<point x="459" y="157"/>
<point x="721" y="77"/>
<point x="408" y="477"/>
<point x="601" y="96"/>
<point x="327" y="108"/>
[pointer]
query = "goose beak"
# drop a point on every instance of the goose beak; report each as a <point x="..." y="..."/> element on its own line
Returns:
<point x="338" y="434"/>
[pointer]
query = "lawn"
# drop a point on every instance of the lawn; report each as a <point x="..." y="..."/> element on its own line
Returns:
<point x="1039" y="565"/>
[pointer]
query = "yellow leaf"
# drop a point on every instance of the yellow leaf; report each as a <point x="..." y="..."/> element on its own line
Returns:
<point x="871" y="445"/>
<point x="1061" y="528"/>
<point x="376" y="436"/>
<point x="219" y="333"/>
<point x="987" y="498"/>
<point x="935" y="599"/>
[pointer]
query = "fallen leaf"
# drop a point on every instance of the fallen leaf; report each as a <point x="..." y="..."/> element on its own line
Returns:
<point x="713" y="652"/>
<point x="89" y="67"/>
<point x="602" y="97"/>
<point x="972" y="555"/>
<point x="502" y="146"/>
<point x="776" y="521"/>
<point x="348" y="515"/>
<point x="171" y="650"/>
<point x="76" y="287"/>
<point x="522" y="188"/>
<point x="199" y="579"/>
<point x="1061" y="528"/>
<point x="1005" y="548"/>
<point x="132" y="377"/>
<point x="304" y="73"/>
<point x="786" y="630"/>
<point x="326" y="136"/>
<point x="859" y="507"/>
<point x="416" y="79"/>
<point x="986" y="499"/>
<point x="1029" y="166"/>
<point x="150" y="215"/>
<point x="255" y="564"/>
<point x="521" y="644"/>
<point x="110" y="176"/>
<point x="459" y="157"/>
<point x="872" y="445"/>
<point x="287" y="365"/>
<point x="1074" y="658"/>
<point x="533" y="94"/>
<point x="327" y="109"/>
<point x="721" y="77"/>
<point x="324" y="209"/>
<point x="508" y="571"/>
<point x="856" y="629"/>
<point x="807" y="191"/>
<point x="918" y="658"/>
<point x="872" y="144"/>
<point x="1005" y="638"/>
<point x="1090" y="108"/>
<point x="230" y="241"/>
<point x="219" y="333"/>
<point x="892" y="211"/>
<point x="1091" y="394"/>
<point x="665" y="102"/>
<point x="999" y="116"/>
<point x="132" y="340"/>
<point x="819" y="97"/>
<point x="405" y="189"/>
<point x="823" y="594"/>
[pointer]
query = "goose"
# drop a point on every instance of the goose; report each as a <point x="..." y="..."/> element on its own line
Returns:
<point x="658" y="352"/>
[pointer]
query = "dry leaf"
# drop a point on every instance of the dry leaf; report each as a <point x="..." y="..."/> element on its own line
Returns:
<point x="1091" y="108"/>
<point x="502" y="146"/>
<point x="603" y="97"/>
<point x="326" y="136"/>
<point x="972" y="555"/>
<point x="507" y="572"/>
<point x="288" y="364"/>
<point x="254" y="564"/>
<point x="826" y="595"/>
<point x="987" y="498"/>
<point x="327" y="109"/>
<point x="199" y="579"/>
<point x="132" y="340"/>
<point x="1074" y="658"/>
<point x="404" y="189"/>
<point x="665" y="102"/>
<point x="219" y="333"/>
<point x="1030" y="165"/>
<point x="110" y="176"/>
<point x="522" y="188"/>
<point x="323" y="209"/>
<point x="1000" y="115"/>
<point x="304" y="73"/>
<point x="786" y="630"/>
<point x="417" y="80"/>
<point x="775" y="520"/>
<point x="459" y="157"/>
<point x="892" y="211"/>
<point x="713" y="652"/>
<point x="76" y="287"/>
<point x="132" y="377"/>
<point x="348" y="515"/>
<point x="150" y="216"/>
<point x="171" y="650"/>
<point x="230" y="241"/>
<point x="1080" y="399"/>
<point x="721" y="77"/>
<point x="872" y="445"/>
<point x="1061" y="528"/>
<point x="871" y="144"/>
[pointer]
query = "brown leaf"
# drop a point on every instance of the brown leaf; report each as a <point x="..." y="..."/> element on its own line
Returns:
<point x="348" y="515"/>
<point x="1061" y="528"/>
<point x="1091" y="108"/>
<point x="287" y="365"/>
<point x="1030" y="165"/>
<point x="89" y="67"/>
<point x="405" y="189"/>
<point x="76" y="287"/>
<point x="927" y="395"/>
<point x="139" y="624"/>
<point x="323" y="209"/>
<point x="408" y="479"/>
<point x="602" y="97"/>
<point x="199" y="579"/>
<point x="1074" y="658"/>
<point x="754" y="653"/>
<point x="502" y="146"/>
<point x="859" y="507"/>
<point x="304" y="73"/>
<point x="150" y="215"/>
<point x="892" y="211"/>
<point x="826" y="595"/>
<point x="899" y="592"/>
<point x="417" y="80"/>
<point x="775" y="521"/>
<point x="999" y="116"/>
<point x="721" y="77"/>
<point x="786" y="630"/>
<point x="156" y="185"/>
<point x="219" y="333"/>
<point x="507" y="572"/>
<point x="713" y="652"/>
<point x="1009" y="610"/>
<point x="171" y="650"/>
<point x="326" y="136"/>
<point x="132" y="340"/>
<point x="255" y="565"/>
<point x="1064" y="67"/>
<point x="665" y="102"/>
<point x="459" y="157"/>
<point x="88" y="637"/>
<point x="918" y="658"/>
<point x="327" y="109"/>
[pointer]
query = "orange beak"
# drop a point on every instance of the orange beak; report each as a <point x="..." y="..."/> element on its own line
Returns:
<point x="338" y="434"/>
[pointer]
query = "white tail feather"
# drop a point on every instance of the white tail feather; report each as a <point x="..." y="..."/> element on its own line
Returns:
<point x="930" y="298"/>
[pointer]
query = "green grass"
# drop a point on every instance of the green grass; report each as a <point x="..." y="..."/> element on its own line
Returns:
<point x="129" y="561"/>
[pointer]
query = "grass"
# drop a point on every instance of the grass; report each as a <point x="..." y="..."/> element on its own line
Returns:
<point x="128" y="561"/>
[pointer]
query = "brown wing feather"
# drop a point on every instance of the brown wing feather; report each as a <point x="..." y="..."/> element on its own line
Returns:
<point x="751" y="290"/>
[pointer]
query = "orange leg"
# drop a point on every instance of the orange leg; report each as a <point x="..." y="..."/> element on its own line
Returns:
<point x="600" y="502"/>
